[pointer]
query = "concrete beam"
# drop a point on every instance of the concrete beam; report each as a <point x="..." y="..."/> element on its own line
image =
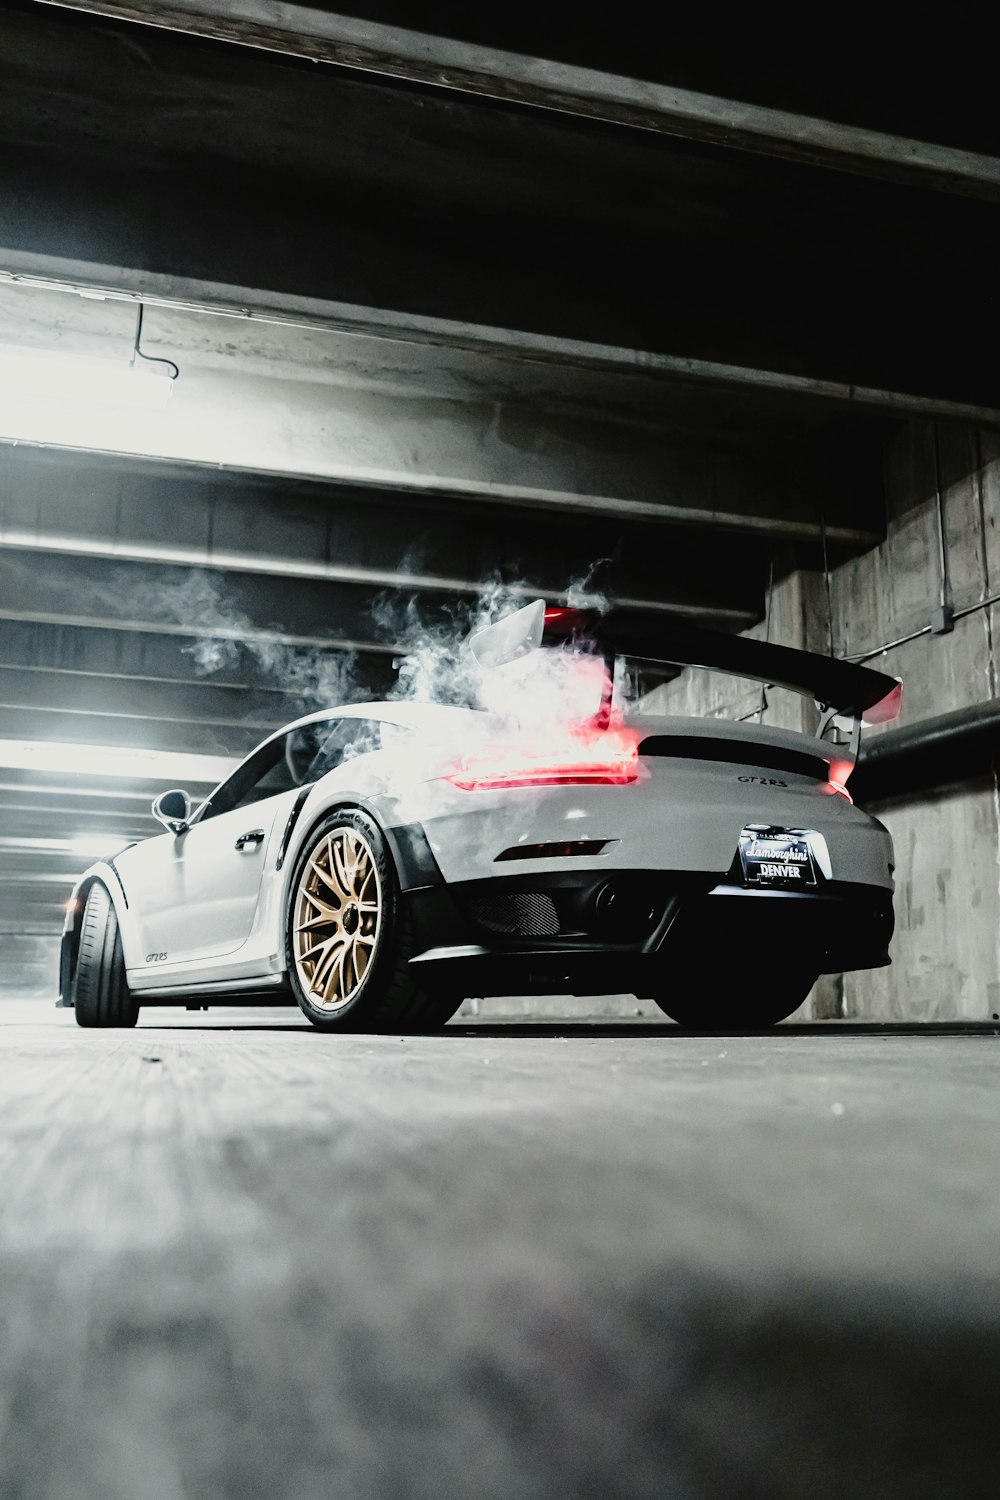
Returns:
<point x="111" y="773"/>
<point x="180" y="703"/>
<point x="81" y="504"/>
<point x="40" y="865"/>
<point x="311" y="32"/>
<point x="20" y="786"/>
<point x="516" y="219"/>
<point x="51" y="723"/>
<point x="222" y="673"/>
<point x="799" y="394"/>
<point x="114" y="594"/>
<point x="29" y="799"/>
<point x="41" y="804"/>
<point x="33" y="820"/>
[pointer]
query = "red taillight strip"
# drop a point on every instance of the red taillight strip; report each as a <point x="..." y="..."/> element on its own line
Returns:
<point x="564" y="618"/>
<point x="470" y="780"/>
<point x="576" y="758"/>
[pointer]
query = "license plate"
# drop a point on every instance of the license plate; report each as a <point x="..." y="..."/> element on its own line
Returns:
<point x="776" y="857"/>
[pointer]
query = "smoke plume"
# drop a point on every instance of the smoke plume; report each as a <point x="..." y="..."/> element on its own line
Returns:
<point x="432" y="660"/>
<point x="435" y="666"/>
<point x="229" y="641"/>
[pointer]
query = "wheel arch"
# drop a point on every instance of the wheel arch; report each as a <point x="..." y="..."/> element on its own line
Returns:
<point x="391" y="995"/>
<point x="411" y="854"/>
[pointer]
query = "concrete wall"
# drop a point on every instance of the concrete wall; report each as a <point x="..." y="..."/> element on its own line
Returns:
<point x="797" y="616"/>
<point x="946" y="954"/>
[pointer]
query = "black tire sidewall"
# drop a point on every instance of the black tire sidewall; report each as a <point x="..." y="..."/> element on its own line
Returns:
<point x="362" y="1011"/>
<point x="710" y="979"/>
<point x="714" y="1005"/>
<point x="101" y="997"/>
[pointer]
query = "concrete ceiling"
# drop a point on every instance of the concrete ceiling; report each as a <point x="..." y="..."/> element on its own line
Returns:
<point x="481" y="297"/>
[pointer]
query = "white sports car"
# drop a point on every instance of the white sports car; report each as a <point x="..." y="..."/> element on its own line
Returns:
<point x="377" y="863"/>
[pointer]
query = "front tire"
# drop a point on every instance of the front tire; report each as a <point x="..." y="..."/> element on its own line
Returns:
<point x="101" y="996"/>
<point x="349" y="936"/>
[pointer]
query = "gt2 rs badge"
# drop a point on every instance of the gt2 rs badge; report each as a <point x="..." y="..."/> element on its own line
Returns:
<point x="155" y="958"/>
<point x="762" y="780"/>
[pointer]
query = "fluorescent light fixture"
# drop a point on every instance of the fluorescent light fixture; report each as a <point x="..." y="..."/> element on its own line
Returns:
<point x="174" y="767"/>
<point x="34" y="377"/>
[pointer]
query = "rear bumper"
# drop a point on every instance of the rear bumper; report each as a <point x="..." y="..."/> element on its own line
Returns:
<point x="565" y="934"/>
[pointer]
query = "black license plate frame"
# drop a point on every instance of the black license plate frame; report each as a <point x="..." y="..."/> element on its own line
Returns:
<point x="777" y="859"/>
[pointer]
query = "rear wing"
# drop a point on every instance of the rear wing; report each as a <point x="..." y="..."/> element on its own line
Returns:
<point x="840" y="688"/>
<point x="843" y="686"/>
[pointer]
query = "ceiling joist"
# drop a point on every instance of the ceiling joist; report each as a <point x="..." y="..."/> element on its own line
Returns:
<point x="307" y="31"/>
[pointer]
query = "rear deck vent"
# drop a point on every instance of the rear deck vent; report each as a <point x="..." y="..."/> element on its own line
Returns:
<point x="738" y="753"/>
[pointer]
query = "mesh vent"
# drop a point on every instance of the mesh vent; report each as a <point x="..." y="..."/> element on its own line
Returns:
<point x="518" y="914"/>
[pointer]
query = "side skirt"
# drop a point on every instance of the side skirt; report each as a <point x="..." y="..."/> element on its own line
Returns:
<point x="266" y="989"/>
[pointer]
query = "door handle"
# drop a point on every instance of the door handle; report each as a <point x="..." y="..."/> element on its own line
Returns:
<point x="255" y="837"/>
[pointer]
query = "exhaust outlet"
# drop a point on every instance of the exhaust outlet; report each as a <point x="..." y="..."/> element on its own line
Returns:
<point x="626" y="908"/>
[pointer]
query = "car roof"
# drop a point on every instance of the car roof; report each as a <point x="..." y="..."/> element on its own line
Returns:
<point x="414" y="715"/>
<point x="430" y="717"/>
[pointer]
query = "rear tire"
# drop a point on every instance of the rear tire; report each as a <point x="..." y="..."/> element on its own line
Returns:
<point x="101" y="996"/>
<point x="718" y="993"/>
<point x="736" y="977"/>
<point x="698" y="1006"/>
<point x="437" y="1012"/>
<point x="349" y="934"/>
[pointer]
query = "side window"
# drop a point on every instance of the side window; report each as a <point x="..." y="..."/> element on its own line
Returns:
<point x="349" y="738"/>
<point x="301" y="748"/>
<point x="277" y="778"/>
<point x="276" y="767"/>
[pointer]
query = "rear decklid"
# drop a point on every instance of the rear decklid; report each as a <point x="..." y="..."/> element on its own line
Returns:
<point x="768" y="750"/>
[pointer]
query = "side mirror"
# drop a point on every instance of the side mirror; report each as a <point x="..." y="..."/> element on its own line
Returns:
<point x="173" y="810"/>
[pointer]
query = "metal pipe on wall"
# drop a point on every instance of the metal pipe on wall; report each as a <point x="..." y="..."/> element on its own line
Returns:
<point x="936" y="752"/>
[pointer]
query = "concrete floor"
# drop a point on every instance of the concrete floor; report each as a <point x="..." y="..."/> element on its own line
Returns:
<point x="239" y="1259"/>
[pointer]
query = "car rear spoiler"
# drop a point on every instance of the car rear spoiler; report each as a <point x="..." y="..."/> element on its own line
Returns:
<point x="843" y="686"/>
<point x="838" y="687"/>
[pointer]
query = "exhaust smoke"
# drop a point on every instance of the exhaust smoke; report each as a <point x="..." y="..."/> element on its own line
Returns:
<point x="229" y="641"/>
<point x="564" y="683"/>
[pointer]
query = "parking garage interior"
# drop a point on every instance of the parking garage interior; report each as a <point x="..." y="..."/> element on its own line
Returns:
<point x="423" y="302"/>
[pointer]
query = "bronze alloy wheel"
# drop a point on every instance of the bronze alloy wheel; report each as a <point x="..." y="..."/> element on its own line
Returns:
<point x="336" y="919"/>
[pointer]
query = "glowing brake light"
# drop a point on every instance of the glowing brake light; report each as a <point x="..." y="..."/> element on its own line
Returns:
<point x="610" y="758"/>
<point x="840" y="771"/>
<point x="886" y="709"/>
<point x="483" y="779"/>
<point x="560" y="620"/>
